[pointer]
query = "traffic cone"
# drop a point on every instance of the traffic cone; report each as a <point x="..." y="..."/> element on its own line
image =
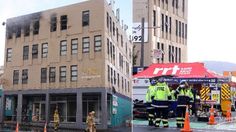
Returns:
<point x="212" y="117"/>
<point x="186" y="122"/>
<point x="228" y="115"/>
<point x="17" y="127"/>
<point x="45" y="127"/>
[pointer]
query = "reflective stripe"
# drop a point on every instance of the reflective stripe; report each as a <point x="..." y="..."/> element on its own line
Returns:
<point x="157" y="106"/>
<point x="150" y="115"/>
<point x="164" y="120"/>
<point x="181" y="105"/>
<point x="179" y="118"/>
<point x="150" y="108"/>
<point x="158" y="119"/>
<point x="180" y="122"/>
<point x="166" y="124"/>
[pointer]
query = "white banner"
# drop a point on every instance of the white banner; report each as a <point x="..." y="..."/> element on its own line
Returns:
<point x="137" y="32"/>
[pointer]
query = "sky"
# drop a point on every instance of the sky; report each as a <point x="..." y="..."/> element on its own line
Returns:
<point x="211" y="24"/>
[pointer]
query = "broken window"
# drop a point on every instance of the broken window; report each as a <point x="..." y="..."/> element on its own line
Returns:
<point x="25" y="52"/>
<point x="35" y="51"/>
<point x="85" y="18"/>
<point x="18" y="31"/>
<point x="36" y="27"/>
<point x="24" y="76"/>
<point x="64" y="22"/>
<point x="27" y="29"/>
<point x="9" y="32"/>
<point x="53" y="23"/>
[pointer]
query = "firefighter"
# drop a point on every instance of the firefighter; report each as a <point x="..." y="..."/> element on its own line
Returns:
<point x="149" y="97"/>
<point x="90" y="121"/>
<point x="184" y="98"/>
<point x="56" y="119"/>
<point x="161" y="103"/>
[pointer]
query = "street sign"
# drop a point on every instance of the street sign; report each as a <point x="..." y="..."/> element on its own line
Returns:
<point x="157" y="53"/>
<point x="137" y="32"/>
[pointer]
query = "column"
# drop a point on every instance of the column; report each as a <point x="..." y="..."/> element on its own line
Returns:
<point x="104" y="109"/>
<point x="19" y="107"/>
<point x="47" y="108"/>
<point x="2" y="106"/>
<point x="79" y="109"/>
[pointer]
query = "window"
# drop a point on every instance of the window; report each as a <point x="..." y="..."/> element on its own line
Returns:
<point x="111" y="76"/>
<point x="35" y="51"/>
<point x="44" y="50"/>
<point x="122" y="83"/>
<point x="176" y="54"/>
<point x="176" y="28"/>
<point x="52" y="74"/>
<point x="85" y="44"/>
<point x="128" y="85"/>
<point x="24" y="76"/>
<point x="64" y="22"/>
<point x="63" y="48"/>
<point x="183" y="6"/>
<point x="74" y="73"/>
<point x="36" y="27"/>
<point x="53" y="26"/>
<point x="179" y="55"/>
<point x="62" y="73"/>
<point x="162" y="22"/>
<point x="170" y="21"/>
<point x="15" y="76"/>
<point x="170" y="54"/>
<point x="114" y="52"/>
<point x="18" y="31"/>
<point x="186" y="31"/>
<point x="74" y="46"/>
<point x="173" y="53"/>
<point x="177" y="4"/>
<point x="118" y="79"/>
<point x="43" y="75"/>
<point x="85" y="18"/>
<point x="179" y="29"/>
<point x="154" y="18"/>
<point x="166" y="24"/>
<point x="117" y="34"/>
<point x="108" y="73"/>
<point x="110" y="25"/>
<point x="9" y="55"/>
<point x="114" y="29"/>
<point x="122" y="41"/>
<point x="97" y="43"/>
<point x="9" y="31"/>
<point x="27" y="29"/>
<point x="114" y="77"/>
<point x="107" y="20"/>
<point x="25" y="52"/>
<point x="108" y="46"/>
<point x="111" y="51"/>
<point x="182" y="30"/>
<point x="162" y="48"/>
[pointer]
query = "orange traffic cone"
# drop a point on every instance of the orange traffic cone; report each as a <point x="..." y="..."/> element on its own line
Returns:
<point x="186" y="122"/>
<point x="45" y="127"/>
<point x="212" y="117"/>
<point x="17" y="127"/>
<point x="228" y="115"/>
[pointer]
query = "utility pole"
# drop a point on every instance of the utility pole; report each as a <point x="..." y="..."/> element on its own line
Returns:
<point x="142" y="44"/>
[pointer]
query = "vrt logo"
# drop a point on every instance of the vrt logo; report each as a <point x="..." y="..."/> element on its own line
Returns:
<point x="165" y="70"/>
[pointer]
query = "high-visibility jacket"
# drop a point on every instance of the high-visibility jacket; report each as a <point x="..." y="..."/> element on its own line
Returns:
<point x="162" y="92"/>
<point x="173" y="95"/>
<point x="184" y="96"/>
<point x="150" y="93"/>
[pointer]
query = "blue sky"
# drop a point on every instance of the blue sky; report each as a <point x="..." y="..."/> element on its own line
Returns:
<point x="211" y="24"/>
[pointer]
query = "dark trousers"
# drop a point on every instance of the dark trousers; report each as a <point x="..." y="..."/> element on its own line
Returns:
<point x="151" y="114"/>
<point x="180" y="115"/>
<point x="161" y="115"/>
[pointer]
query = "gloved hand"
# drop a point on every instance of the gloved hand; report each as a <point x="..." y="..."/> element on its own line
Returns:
<point x="152" y="98"/>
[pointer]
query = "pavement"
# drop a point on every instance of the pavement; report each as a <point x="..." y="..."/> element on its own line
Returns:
<point x="221" y="126"/>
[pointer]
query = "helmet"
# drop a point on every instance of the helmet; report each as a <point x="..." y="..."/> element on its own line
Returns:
<point x="153" y="82"/>
<point x="183" y="84"/>
<point x="161" y="79"/>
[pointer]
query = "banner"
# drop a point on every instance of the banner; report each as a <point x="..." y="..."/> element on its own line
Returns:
<point x="215" y="95"/>
<point x="137" y="32"/>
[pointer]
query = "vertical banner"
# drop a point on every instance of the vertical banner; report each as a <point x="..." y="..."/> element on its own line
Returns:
<point x="9" y="106"/>
<point x="137" y="32"/>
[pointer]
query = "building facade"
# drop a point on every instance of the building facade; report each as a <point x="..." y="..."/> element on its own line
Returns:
<point x="165" y="31"/>
<point x="77" y="58"/>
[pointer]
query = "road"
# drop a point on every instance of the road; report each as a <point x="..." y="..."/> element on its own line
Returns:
<point x="153" y="129"/>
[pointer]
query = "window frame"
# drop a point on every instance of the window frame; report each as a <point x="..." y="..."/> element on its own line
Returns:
<point x="85" y="49"/>
<point x="85" y="18"/>
<point x="97" y="43"/>
<point x="63" y="52"/>
<point x="24" y="76"/>
<point x="62" y="77"/>
<point x="9" y="55"/>
<point x="63" y="22"/>
<point x="74" y="50"/>
<point x="16" y="75"/>
<point x="43" y="75"/>
<point x="26" y="52"/>
<point x="44" y="50"/>
<point x="35" y="51"/>
<point x="71" y="73"/>
<point x="52" y="74"/>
